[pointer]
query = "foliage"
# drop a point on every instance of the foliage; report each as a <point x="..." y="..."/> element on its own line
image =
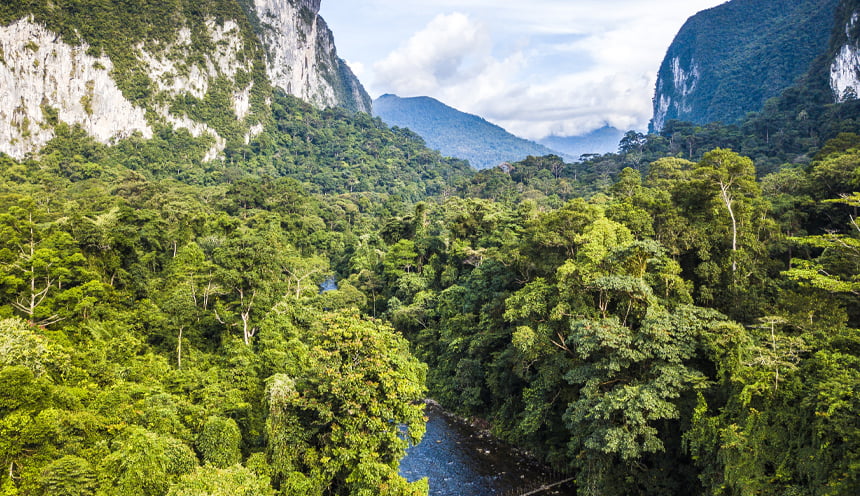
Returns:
<point x="218" y="443"/>
<point x="341" y="152"/>
<point x="354" y="388"/>
<point x="654" y="323"/>
<point x="158" y="311"/>
<point x="588" y="333"/>
<point x="228" y="481"/>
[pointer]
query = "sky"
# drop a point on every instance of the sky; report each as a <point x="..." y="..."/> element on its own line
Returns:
<point x="534" y="67"/>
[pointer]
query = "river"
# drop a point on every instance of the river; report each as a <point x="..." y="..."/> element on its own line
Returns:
<point x="458" y="461"/>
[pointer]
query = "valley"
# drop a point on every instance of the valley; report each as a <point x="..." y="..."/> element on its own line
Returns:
<point x="677" y="314"/>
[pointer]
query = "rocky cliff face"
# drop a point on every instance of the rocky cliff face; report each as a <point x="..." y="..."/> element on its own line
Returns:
<point x="176" y="73"/>
<point x="301" y="56"/>
<point x="727" y="61"/>
<point x="675" y="90"/>
<point x="43" y="80"/>
<point x="845" y="65"/>
<point x="200" y="78"/>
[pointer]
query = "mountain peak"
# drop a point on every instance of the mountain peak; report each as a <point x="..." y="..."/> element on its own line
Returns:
<point x="728" y="60"/>
<point x="455" y="133"/>
<point x="302" y="58"/>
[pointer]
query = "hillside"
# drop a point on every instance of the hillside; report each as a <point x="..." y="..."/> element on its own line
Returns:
<point x="454" y="133"/>
<point x="728" y="60"/>
<point x="795" y="126"/>
<point x="120" y="69"/>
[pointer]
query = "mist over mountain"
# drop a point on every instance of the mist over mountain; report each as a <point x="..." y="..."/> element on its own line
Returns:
<point x="455" y="133"/>
<point x="599" y="141"/>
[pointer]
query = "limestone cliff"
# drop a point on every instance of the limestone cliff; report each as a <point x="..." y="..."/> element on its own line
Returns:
<point x="301" y="55"/>
<point x="845" y="47"/>
<point x="135" y="68"/>
<point x="43" y="80"/>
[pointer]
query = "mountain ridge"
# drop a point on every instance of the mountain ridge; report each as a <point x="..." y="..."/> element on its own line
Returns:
<point x="728" y="60"/>
<point x="456" y="133"/>
<point x="600" y="141"/>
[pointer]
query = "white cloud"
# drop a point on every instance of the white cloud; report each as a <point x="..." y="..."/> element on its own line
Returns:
<point x="450" y="50"/>
<point x="536" y="68"/>
<point x="358" y="68"/>
<point x="451" y="59"/>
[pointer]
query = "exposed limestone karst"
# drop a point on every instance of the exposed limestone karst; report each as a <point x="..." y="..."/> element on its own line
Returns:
<point x="845" y="68"/>
<point x="46" y="79"/>
<point x="301" y="56"/>
<point x="43" y="79"/>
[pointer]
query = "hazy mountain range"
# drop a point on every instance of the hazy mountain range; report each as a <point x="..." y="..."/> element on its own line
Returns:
<point x="455" y="133"/>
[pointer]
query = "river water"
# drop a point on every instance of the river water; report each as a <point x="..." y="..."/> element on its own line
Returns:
<point x="458" y="461"/>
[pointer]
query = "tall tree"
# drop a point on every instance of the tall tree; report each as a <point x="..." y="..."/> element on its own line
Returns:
<point x="39" y="264"/>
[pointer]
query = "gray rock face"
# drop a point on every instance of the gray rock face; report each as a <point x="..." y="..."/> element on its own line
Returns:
<point x="674" y="91"/>
<point x="301" y="56"/>
<point x="845" y="67"/>
<point x="40" y="76"/>
<point x="727" y="61"/>
<point x="44" y="80"/>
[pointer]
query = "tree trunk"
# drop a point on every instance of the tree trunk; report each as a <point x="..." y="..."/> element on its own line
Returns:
<point x="727" y="199"/>
<point x="179" y="350"/>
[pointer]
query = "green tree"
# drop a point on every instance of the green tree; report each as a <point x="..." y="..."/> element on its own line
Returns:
<point x="221" y="481"/>
<point x="613" y="340"/>
<point x="724" y="209"/>
<point x="39" y="263"/>
<point x="355" y="385"/>
<point x="219" y="442"/>
<point x="145" y="463"/>
<point x="69" y="476"/>
<point x="251" y="269"/>
<point x="837" y="270"/>
<point x="734" y="178"/>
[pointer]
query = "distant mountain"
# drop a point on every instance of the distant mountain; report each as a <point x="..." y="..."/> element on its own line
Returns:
<point x="454" y="133"/>
<point x="728" y="60"/>
<point x="603" y="140"/>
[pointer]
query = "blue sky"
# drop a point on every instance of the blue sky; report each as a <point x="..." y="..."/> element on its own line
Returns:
<point x="535" y="67"/>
